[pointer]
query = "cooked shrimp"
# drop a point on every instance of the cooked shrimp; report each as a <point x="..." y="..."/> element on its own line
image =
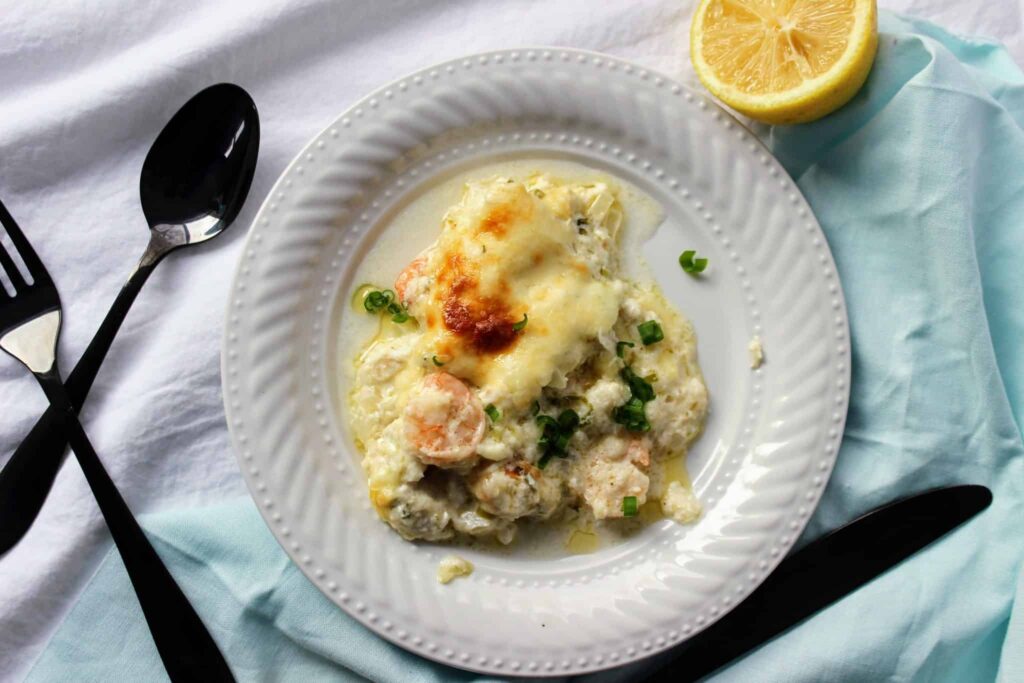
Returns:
<point x="638" y="453"/>
<point x="409" y="283"/>
<point x="617" y="468"/>
<point x="514" y="488"/>
<point x="444" y="421"/>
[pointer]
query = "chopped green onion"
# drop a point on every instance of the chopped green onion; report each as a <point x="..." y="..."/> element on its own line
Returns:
<point x="492" y="412"/>
<point x="556" y="435"/>
<point x="519" y="326"/>
<point x="534" y="407"/>
<point x="562" y="442"/>
<point x="568" y="419"/>
<point x="545" y="421"/>
<point x="650" y="332"/>
<point x="374" y="301"/>
<point x="631" y="416"/>
<point x="385" y="301"/>
<point x="398" y="312"/>
<point x="692" y="265"/>
<point x="632" y="409"/>
<point x="539" y="193"/>
<point x="437" y="361"/>
<point x="620" y="348"/>
<point x="638" y="386"/>
<point x="629" y="506"/>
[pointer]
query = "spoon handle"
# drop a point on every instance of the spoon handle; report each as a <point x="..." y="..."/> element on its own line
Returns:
<point x="27" y="477"/>
<point x="186" y="647"/>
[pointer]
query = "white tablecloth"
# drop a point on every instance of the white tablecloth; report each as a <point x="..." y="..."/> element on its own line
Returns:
<point x="85" y="89"/>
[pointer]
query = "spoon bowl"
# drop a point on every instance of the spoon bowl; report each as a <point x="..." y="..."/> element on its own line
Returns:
<point x="199" y="170"/>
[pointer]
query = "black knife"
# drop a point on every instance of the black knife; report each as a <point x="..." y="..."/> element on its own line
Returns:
<point x="822" y="572"/>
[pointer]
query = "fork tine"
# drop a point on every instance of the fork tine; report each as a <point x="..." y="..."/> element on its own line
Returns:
<point x="8" y="265"/>
<point x="28" y="255"/>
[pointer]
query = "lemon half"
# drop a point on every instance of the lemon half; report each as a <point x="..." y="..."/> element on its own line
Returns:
<point x="784" y="61"/>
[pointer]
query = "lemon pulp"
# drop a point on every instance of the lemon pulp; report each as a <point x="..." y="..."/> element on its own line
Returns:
<point x="784" y="61"/>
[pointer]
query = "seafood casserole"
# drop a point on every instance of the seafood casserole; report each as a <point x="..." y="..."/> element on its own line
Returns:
<point x="518" y="375"/>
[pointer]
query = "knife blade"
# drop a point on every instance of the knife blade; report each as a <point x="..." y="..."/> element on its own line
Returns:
<point x="824" y="571"/>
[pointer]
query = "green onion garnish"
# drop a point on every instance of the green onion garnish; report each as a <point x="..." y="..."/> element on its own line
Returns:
<point x="398" y="312"/>
<point x="546" y="421"/>
<point x="519" y="326"/>
<point x="629" y="506"/>
<point x="633" y="408"/>
<point x="492" y="412"/>
<point x="385" y="301"/>
<point x="650" y="332"/>
<point x="638" y="386"/>
<point x="556" y="435"/>
<point x="437" y="361"/>
<point x="534" y="407"/>
<point x="539" y="193"/>
<point x="620" y="348"/>
<point x="568" y="420"/>
<point x="561" y="442"/>
<point x="690" y="264"/>
<point x="374" y="301"/>
<point x="631" y="414"/>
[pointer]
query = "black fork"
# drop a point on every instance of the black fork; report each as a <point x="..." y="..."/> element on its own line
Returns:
<point x="29" y="328"/>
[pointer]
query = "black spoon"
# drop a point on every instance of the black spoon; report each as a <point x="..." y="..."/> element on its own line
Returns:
<point x="194" y="182"/>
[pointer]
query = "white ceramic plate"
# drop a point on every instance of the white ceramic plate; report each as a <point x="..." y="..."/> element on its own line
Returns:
<point x="770" y="441"/>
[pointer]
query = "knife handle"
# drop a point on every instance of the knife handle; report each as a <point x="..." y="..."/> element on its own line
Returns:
<point x="186" y="647"/>
<point x="824" y="571"/>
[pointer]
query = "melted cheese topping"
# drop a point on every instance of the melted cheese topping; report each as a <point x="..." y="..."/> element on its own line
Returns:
<point x="505" y="253"/>
<point x="756" y="351"/>
<point x="452" y="567"/>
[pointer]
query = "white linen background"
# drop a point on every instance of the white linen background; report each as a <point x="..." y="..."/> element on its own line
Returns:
<point x="84" y="89"/>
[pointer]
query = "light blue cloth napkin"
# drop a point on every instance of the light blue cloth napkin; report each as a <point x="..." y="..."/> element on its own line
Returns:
<point x="919" y="185"/>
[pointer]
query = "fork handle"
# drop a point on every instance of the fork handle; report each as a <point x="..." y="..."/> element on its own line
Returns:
<point x="188" y="651"/>
<point x="28" y="476"/>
